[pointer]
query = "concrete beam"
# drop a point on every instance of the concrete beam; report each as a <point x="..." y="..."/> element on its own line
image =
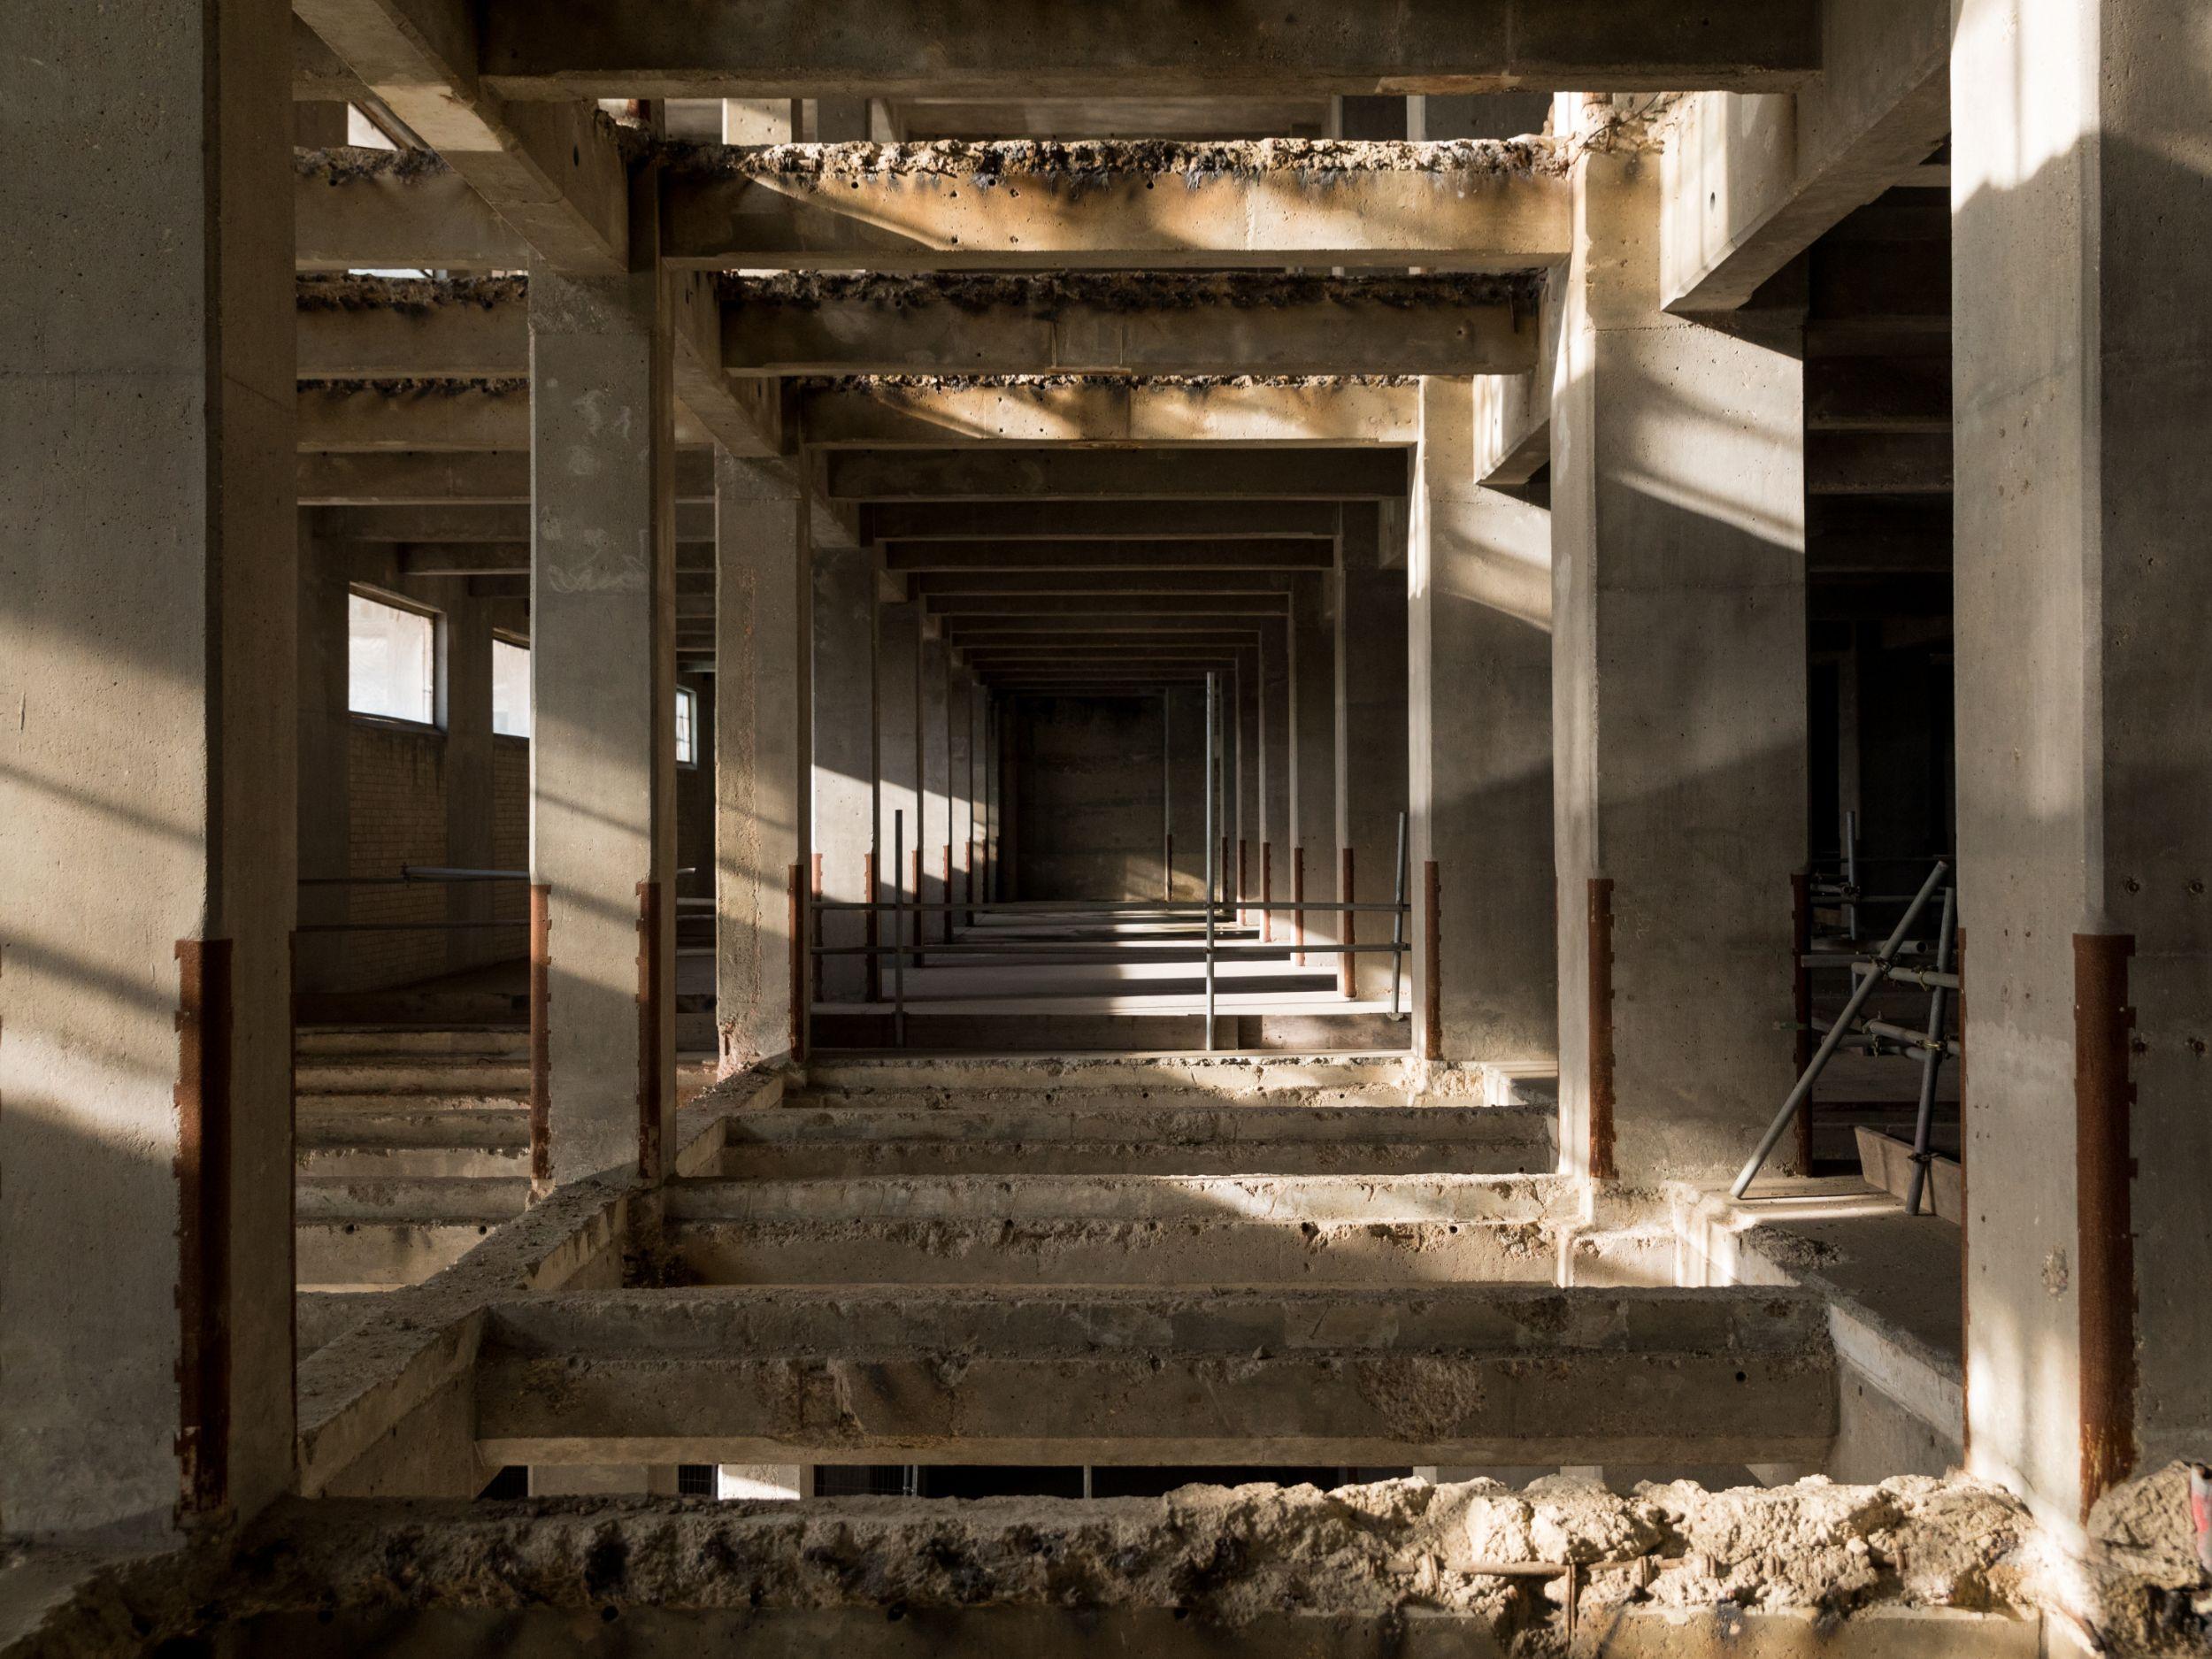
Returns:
<point x="1473" y="1374"/>
<point x="1244" y="323"/>
<point x="373" y="210"/>
<point x="485" y="478"/>
<point x="1163" y="48"/>
<point x="1137" y="642"/>
<point x="957" y="590"/>
<point x="478" y="523"/>
<point x="884" y="414"/>
<point x="512" y="558"/>
<point x="1226" y="474"/>
<point x="554" y="171"/>
<point x="1878" y="463"/>
<point x="744" y="416"/>
<point x="1139" y="595"/>
<point x="1752" y="182"/>
<point x="453" y="415"/>
<point x="1098" y="622"/>
<point x="1467" y="206"/>
<point x="360" y="329"/>
<point x="1069" y="520"/>
<point x="1101" y="556"/>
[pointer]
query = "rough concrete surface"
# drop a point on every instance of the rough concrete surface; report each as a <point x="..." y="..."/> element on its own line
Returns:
<point x="1045" y="293"/>
<point x="1671" y="1568"/>
<point x="351" y="291"/>
<point x="987" y="163"/>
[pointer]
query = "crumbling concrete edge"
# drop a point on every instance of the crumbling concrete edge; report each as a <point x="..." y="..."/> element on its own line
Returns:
<point x="366" y="1384"/>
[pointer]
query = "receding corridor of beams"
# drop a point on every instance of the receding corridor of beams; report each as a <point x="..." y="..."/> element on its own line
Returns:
<point x="1219" y="773"/>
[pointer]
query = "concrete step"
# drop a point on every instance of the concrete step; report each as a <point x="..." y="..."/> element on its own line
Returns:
<point x="1122" y="1230"/>
<point x="956" y="1080"/>
<point x="1463" y="1374"/>
<point x="410" y="1122"/>
<point x="367" y="1255"/>
<point x="509" y="1042"/>
<point x="1033" y="1136"/>
<point x="384" y="1164"/>
<point x="411" y="1074"/>
<point x="1193" y="1250"/>
<point x="458" y="1103"/>
<point x="425" y="1199"/>
<point x="1321" y="1199"/>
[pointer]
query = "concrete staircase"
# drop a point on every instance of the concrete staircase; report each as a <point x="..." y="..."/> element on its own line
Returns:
<point x="413" y="1143"/>
<point x="1091" y="1177"/>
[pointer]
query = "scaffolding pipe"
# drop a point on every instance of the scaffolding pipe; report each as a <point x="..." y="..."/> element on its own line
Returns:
<point x="1212" y="854"/>
<point x="1398" y="921"/>
<point x="1851" y="873"/>
<point x="1863" y="989"/>
<point x="1931" y="1058"/>
<point x="898" y="930"/>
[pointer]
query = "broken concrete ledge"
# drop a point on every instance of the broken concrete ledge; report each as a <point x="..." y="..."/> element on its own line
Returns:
<point x="1910" y="1567"/>
<point x="1045" y="293"/>
<point x="359" y="1391"/>
<point x="1188" y="1253"/>
<point x="1455" y="1374"/>
<point x="404" y="1376"/>
<point x="1320" y="1200"/>
<point x="988" y="162"/>
<point x="1155" y="1078"/>
<point x="348" y="291"/>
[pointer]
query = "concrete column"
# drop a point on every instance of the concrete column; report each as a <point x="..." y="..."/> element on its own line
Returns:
<point x="1313" y="756"/>
<point x="1244" y="844"/>
<point x="1370" y="727"/>
<point x="1275" y="749"/>
<point x="1678" y="711"/>
<point x="465" y="712"/>
<point x="603" y="677"/>
<point x="979" y="766"/>
<point x="325" y="754"/>
<point x="147" y="782"/>
<point x="843" y="691"/>
<point x="1479" y="711"/>
<point x="960" y="749"/>
<point x="935" y="833"/>
<point x="762" y="611"/>
<point x="898" y="754"/>
<point x="2081" y="353"/>
<point x="1186" y="786"/>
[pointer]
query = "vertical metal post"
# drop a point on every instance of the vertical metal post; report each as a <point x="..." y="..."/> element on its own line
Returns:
<point x="898" y="930"/>
<point x="1167" y="796"/>
<point x="1212" y="855"/>
<point x="1850" y="874"/>
<point x="1838" y="1032"/>
<point x="1931" y="1059"/>
<point x="1398" y="922"/>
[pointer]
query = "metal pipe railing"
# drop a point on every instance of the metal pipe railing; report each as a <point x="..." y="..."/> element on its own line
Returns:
<point x="1802" y="1093"/>
<point x="1212" y="889"/>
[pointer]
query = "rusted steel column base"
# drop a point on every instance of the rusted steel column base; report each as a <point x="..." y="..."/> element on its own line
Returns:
<point x="1603" y="1166"/>
<point x="540" y="1039"/>
<point x="1347" y="973"/>
<point x="2104" y="1171"/>
<point x="1432" y="962"/>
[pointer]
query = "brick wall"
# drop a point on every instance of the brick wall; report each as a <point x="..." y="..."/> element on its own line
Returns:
<point x="511" y="835"/>
<point x="397" y="783"/>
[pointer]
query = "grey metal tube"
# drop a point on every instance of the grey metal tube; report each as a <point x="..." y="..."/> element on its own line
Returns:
<point x="1932" y="1061"/>
<point x="1398" y="921"/>
<point x="1211" y="857"/>
<point x="1837" y="1033"/>
<point x="898" y="930"/>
